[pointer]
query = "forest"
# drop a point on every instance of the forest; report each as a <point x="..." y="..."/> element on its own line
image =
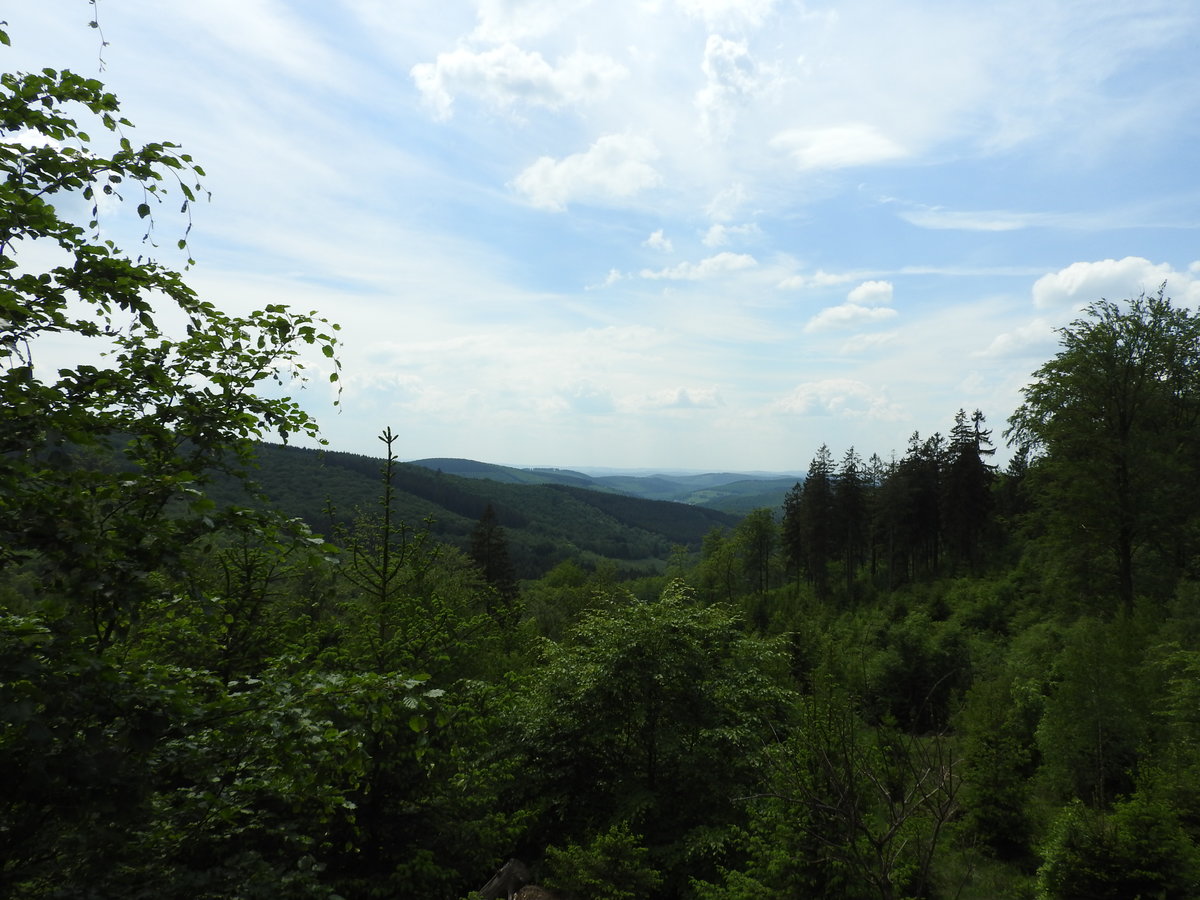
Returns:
<point x="918" y="677"/>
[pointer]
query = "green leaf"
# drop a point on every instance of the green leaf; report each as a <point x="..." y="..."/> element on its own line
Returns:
<point x="143" y="210"/>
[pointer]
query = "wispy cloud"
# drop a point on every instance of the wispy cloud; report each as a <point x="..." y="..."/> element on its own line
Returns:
<point x="837" y="147"/>
<point x="710" y="267"/>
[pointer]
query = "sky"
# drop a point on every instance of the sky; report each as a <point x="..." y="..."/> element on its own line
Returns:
<point x="663" y="234"/>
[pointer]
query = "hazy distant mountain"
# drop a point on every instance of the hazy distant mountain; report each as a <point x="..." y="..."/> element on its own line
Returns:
<point x="731" y="492"/>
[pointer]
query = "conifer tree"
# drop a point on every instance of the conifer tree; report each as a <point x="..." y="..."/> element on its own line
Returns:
<point x="489" y="550"/>
<point x="967" y="489"/>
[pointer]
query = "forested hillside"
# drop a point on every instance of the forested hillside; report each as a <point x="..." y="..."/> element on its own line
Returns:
<point x="915" y="678"/>
<point x="545" y="523"/>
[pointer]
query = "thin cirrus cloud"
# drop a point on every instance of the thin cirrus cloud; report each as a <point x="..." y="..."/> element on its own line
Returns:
<point x="710" y="267"/>
<point x="837" y="147"/>
<point x="838" y="397"/>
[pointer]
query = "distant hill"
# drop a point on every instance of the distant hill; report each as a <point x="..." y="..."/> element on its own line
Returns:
<point x="546" y="521"/>
<point x="735" y="493"/>
<point x="469" y="468"/>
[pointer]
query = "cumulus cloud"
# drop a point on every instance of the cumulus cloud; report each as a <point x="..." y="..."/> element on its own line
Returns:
<point x="848" y="315"/>
<point x="1113" y="279"/>
<point x="719" y="235"/>
<point x="657" y="241"/>
<point x="507" y="75"/>
<point x="871" y="293"/>
<point x="838" y="147"/>
<point x="616" y="167"/>
<point x="838" y="397"/>
<point x="28" y="137"/>
<point x="709" y="267"/>
<point x="864" y="305"/>
<point x="731" y="77"/>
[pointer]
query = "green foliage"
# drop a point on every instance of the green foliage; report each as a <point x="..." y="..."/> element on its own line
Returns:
<point x="871" y="805"/>
<point x="999" y="754"/>
<point x="1097" y="715"/>
<point x="171" y="408"/>
<point x="648" y="713"/>
<point x="1114" y="417"/>
<point x="1137" y="850"/>
<point x="613" y="866"/>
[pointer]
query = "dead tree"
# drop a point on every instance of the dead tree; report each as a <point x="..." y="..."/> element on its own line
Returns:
<point x="508" y="880"/>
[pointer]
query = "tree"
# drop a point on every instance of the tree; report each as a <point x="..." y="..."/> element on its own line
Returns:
<point x="755" y="536"/>
<point x="100" y="461"/>
<point x="967" y="489"/>
<point x="119" y="756"/>
<point x="648" y="714"/>
<point x="792" y="530"/>
<point x="1112" y="419"/>
<point x="850" y="498"/>
<point x="866" y="810"/>
<point x="817" y="514"/>
<point x="489" y="550"/>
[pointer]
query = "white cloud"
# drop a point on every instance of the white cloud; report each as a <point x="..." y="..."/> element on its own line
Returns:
<point x="719" y="235"/>
<point x="860" y="343"/>
<point x="848" y="315"/>
<point x="507" y="75"/>
<point x="864" y="305"/>
<point x="588" y="399"/>
<point x="616" y="167"/>
<point x="727" y="202"/>
<point x="728" y="13"/>
<point x="871" y="293"/>
<point x="507" y="20"/>
<point x="731" y="79"/>
<point x="684" y="398"/>
<point x="657" y="241"/>
<point x="28" y="137"/>
<point x="707" y="268"/>
<point x="613" y="276"/>
<point x="984" y="220"/>
<point x="838" y="147"/>
<point x="818" y="279"/>
<point x="838" y="397"/>
<point x="1112" y="279"/>
<point x="1034" y="338"/>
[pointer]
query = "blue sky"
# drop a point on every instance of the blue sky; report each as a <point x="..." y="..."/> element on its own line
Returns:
<point x="705" y="234"/>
